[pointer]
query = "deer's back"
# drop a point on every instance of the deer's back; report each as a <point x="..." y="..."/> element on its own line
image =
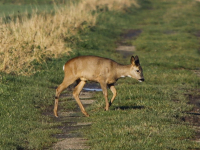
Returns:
<point x="90" y="67"/>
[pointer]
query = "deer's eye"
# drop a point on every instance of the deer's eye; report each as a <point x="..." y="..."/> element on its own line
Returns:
<point x="138" y="70"/>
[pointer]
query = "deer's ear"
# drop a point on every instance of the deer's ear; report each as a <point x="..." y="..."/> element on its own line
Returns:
<point x="135" y="60"/>
<point x="132" y="60"/>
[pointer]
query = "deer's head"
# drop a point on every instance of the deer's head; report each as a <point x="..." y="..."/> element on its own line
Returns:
<point x="136" y="70"/>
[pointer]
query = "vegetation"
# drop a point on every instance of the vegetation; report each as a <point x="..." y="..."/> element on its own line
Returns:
<point x="149" y="115"/>
<point x="25" y="41"/>
<point x="143" y="116"/>
<point x="25" y="46"/>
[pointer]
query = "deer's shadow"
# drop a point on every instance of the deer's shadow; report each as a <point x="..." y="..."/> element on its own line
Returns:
<point x="129" y="107"/>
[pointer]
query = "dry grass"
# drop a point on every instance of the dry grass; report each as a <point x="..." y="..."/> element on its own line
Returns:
<point x="25" y="41"/>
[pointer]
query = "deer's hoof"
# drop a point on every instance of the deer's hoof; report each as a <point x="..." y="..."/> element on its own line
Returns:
<point x="86" y="114"/>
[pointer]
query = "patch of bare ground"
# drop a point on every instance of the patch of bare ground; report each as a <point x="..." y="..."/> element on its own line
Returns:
<point x="123" y="45"/>
<point x="71" y="143"/>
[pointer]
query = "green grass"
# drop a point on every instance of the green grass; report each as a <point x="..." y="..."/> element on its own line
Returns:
<point x="168" y="51"/>
<point x="144" y="115"/>
<point x="13" y="7"/>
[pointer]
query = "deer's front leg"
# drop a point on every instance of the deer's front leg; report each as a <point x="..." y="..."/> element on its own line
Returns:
<point x="105" y="93"/>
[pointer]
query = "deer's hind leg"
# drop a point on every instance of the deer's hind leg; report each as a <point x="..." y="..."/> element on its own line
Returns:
<point x="66" y="82"/>
<point x="113" y="90"/>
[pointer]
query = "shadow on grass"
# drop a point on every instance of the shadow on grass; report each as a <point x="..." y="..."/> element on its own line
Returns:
<point x="129" y="107"/>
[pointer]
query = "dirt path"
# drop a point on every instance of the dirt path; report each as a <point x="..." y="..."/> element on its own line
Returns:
<point x="73" y="121"/>
<point x="123" y="45"/>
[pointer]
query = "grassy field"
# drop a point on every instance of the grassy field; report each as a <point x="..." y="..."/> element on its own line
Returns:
<point x="14" y="7"/>
<point x="148" y="115"/>
<point x="144" y="115"/>
<point x="11" y="9"/>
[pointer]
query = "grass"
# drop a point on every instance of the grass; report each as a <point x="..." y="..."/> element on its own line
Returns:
<point x="143" y="116"/>
<point x="8" y="8"/>
<point x="11" y="9"/>
<point x="23" y="100"/>
<point x="148" y="115"/>
<point x="25" y="41"/>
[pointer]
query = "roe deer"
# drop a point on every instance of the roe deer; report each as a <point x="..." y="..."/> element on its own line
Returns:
<point x="98" y="69"/>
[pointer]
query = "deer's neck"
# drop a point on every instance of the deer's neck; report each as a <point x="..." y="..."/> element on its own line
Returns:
<point x="123" y="71"/>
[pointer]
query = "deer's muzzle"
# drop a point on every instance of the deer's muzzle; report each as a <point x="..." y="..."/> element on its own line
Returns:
<point x="141" y="80"/>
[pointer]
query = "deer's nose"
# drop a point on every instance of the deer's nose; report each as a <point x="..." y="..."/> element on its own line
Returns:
<point x="141" y="80"/>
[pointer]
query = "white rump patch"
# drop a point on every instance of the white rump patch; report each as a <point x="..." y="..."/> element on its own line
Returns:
<point x="122" y="76"/>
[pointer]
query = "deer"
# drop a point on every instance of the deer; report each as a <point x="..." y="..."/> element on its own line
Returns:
<point x="105" y="71"/>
